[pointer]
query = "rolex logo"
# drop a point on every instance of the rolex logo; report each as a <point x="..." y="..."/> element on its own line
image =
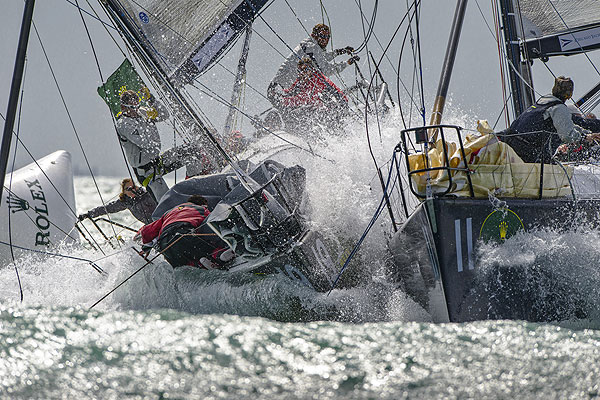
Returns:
<point x="15" y="203"/>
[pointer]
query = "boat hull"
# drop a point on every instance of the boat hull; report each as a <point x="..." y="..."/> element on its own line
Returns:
<point x="435" y="259"/>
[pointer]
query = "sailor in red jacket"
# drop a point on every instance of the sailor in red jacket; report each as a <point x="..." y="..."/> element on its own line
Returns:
<point x="179" y="239"/>
<point x="312" y="97"/>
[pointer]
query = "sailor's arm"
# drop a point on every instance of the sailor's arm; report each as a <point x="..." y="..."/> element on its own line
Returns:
<point x="150" y="232"/>
<point x="112" y="207"/>
<point x="329" y="68"/>
<point x="161" y="112"/>
<point x="566" y="129"/>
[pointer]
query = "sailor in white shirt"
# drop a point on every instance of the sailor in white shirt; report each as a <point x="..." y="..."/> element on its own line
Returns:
<point x="140" y="139"/>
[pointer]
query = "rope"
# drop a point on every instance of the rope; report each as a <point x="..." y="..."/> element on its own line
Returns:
<point x="370" y="225"/>
<point x="215" y="96"/>
<point x="102" y="80"/>
<point x="92" y="263"/>
<point x="577" y="41"/>
<point x="367" y="35"/>
<point x="141" y="268"/>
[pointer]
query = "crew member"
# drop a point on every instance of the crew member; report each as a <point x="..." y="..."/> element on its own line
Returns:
<point x="133" y="198"/>
<point x="314" y="47"/>
<point x="140" y="139"/>
<point x="314" y="96"/>
<point x="540" y="130"/>
<point x="181" y="240"/>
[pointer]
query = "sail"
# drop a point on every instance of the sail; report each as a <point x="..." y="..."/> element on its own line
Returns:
<point x="559" y="27"/>
<point x="184" y="37"/>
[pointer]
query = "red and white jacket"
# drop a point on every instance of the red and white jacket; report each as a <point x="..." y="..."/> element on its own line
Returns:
<point x="311" y="92"/>
<point x="186" y="212"/>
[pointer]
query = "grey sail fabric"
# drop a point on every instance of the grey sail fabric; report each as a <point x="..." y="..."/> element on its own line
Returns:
<point x="175" y="28"/>
<point x="550" y="17"/>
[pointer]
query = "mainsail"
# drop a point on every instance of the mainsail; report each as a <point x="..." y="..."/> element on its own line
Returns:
<point x="564" y="27"/>
<point x="184" y="37"/>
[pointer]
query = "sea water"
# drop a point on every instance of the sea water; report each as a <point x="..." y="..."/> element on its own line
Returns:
<point x="209" y="334"/>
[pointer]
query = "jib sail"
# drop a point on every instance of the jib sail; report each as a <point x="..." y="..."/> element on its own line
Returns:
<point x="185" y="37"/>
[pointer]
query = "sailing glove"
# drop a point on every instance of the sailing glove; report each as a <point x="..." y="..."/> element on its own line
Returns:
<point x="345" y="50"/>
<point x="353" y="59"/>
<point x="81" y="217"/>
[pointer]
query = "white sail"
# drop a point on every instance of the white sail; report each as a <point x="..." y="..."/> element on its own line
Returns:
<point x="544" y="17"/>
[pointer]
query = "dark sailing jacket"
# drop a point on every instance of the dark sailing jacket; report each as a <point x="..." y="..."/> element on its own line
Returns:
<point x="534" y="133"/>
<point x="141" y="206"/>
<point x="530" y="147"/>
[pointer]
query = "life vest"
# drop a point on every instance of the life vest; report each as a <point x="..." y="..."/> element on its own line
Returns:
<point x="542" y="140"/>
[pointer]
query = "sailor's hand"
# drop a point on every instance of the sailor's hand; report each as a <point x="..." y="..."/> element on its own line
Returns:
<point x="353" y="59"/>
<point x="146" y="95"/>
<point x="81" y="217"/>
<point x="137" y="237"/>
<point x="563" y="148"/>
<point x="593" y="137"/>
<point x="346" y="50"/>
<point x="151" y="113"/>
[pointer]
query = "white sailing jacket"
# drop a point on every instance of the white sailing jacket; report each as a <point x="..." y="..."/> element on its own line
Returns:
<point x="288" y="71"/>
<point x="139" y="136"/>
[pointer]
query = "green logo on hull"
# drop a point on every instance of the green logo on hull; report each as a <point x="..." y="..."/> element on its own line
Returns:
<point x="500" y="225"/>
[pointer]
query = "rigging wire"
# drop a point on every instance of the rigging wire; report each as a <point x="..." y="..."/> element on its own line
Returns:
<point x="399" y="82"/>
<point x="104" y="23"/>
<point x="502" y="57"/>
<point x="66" y="109"/>
<point x="371" y="24"/>
<point x="92" y="263"/>
<point x="68" y="113"/>
<point x="12" y="254"/>
<point x="576" y="40"/>
<point x="211" y="93"/>
<point x="370" y="225"/>
<point x="364" y="17"/>
<point x="416" y="5"/>
<point x="420" y="62"/>
<point x="378" y="64"/>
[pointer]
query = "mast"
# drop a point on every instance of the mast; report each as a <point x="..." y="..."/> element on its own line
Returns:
<point x="241" y="73"/>
<point x="14" y="90"/>
<point x="442" y="91"/>
<point x="519" y="70"/>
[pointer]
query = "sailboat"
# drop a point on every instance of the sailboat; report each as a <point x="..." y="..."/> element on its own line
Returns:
<point x="258" y="206"/>
<point x="462" y="191"/>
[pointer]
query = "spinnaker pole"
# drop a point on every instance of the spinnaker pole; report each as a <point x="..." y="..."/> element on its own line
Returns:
<point x="15" y="87"/>
<point x="442" y="91"/>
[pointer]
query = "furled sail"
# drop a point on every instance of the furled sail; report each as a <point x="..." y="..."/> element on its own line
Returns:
<point x="564" y="27"/>
<point x="184" y="37"/>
